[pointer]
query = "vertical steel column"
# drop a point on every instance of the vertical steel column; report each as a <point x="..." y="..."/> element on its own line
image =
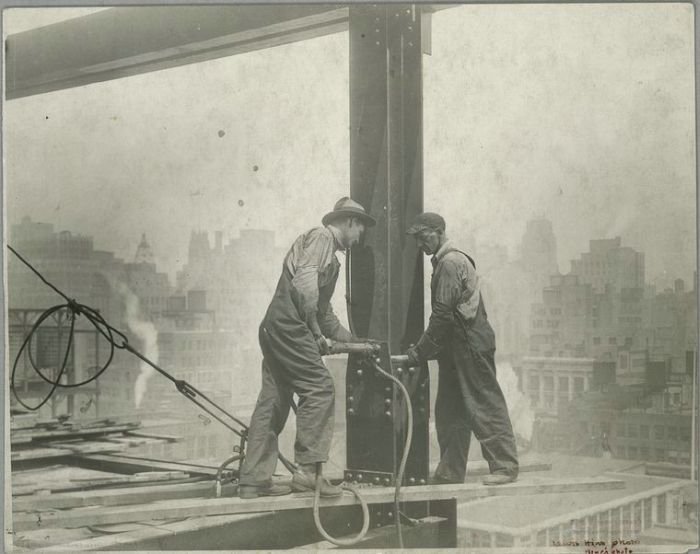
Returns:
<point x="386" y="275"/>
<point x="386" y="169"/>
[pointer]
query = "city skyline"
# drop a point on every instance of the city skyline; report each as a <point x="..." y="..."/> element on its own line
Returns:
<point x="131" y="249"/>
<point x="587" y="120"/>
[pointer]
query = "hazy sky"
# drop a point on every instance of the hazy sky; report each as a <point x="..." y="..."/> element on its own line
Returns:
<point x="582" y="114"/>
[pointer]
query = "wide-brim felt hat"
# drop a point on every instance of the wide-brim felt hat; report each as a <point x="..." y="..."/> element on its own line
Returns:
<point x="346" y="206"/>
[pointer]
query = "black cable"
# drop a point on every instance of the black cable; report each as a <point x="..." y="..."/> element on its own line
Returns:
<point x="74" y="309"/>
<point x="108" y="332"/>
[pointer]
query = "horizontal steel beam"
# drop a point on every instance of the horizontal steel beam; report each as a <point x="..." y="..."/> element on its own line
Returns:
<point x="120" y="42"/>
<point x="125" y="41"/>
<point x="218" y="506"/>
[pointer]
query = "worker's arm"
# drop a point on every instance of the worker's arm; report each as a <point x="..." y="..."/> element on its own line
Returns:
<point x="448" y="290"/>
<point x="332" y="328"/>
<point x="315" y="255"/>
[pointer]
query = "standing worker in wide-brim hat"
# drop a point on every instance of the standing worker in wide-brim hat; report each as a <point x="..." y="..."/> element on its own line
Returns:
<point x="293" y="340"/>
<point x="469" y="398"/>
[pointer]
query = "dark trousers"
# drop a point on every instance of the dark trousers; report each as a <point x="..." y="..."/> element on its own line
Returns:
<point x="291" y="365"/>
<point x="469" y="399"/>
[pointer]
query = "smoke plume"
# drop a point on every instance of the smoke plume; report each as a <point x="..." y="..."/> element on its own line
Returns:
<point x="146" y="332"/>
<point x="521" y="414"/>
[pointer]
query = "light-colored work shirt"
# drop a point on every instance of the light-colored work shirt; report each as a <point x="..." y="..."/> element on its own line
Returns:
<point x="314" y="268"/>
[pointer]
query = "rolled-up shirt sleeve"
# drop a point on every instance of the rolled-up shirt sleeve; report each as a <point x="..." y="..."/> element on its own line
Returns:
<point x="316" y="254"/>
<point x="446" y="298"/>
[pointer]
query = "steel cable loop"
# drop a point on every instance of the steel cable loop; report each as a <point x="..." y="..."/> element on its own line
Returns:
<point x="55" y="382"/>
<point x="74" y="309"/>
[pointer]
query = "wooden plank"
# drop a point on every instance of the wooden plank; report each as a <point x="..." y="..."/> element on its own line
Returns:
<point x="39" y="454"/>
<point x="220" y="506"/>
<point x="120" y="496"/>
<point x="145" y="477"/>
<point x="63" y="449"/>
<point x="160" y="436"/>
<point x="42" y="434"/>
<point x="121" y="540"/>
<point x="120" y="463"/>
<point x="23" y="421"/>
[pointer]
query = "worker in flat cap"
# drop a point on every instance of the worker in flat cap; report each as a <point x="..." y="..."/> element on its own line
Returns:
<point x="293" y="337"/>
<point x="459" y="336"/>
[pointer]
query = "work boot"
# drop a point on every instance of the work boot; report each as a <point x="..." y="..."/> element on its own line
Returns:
<point x="305" y="481"/>
<point x="438" y="479"/>
<point x="248" y="492"/>
<point x="498" y="479"/>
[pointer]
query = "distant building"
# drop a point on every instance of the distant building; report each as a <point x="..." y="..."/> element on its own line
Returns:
<point x="144" y="253"/>
<point x="539" y="249"/>
<point x="511" y="287"/>
<point x="142" y="278"/>
<point x="67" y="261"/>
<point x="561" y="323"/>
<point x="553" y="382"/>
<point x="640" y="411"/>
<point x="619" y="318"/>
<point x="672" y="329"/>
<point x="652" y="437"/>
<point x="610" y="263"/>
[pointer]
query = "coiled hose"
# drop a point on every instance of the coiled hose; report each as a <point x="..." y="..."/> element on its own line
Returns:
<point x="317" y="515"/>
<point x="363" y="503"/>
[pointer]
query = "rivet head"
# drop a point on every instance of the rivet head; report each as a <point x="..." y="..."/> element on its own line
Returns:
<point x="387" y="389"/>
<point x="387" y="481"/>
<point x="377" y="43"/>
<point x="399" y="371"/>
<point x="412" y="480"/>
<point x="378" y="360"/>
<point x="387" y="413"/>
<point x="359" y="373"/>
<point x="390" y="514"/>
<point x="351" y="398"/>
<point x="349" y="476"/>
<point x="411" y="369"/>
<point x="387" y="401"/>
<point x="351" y="411"/>
<point x="377" y="480"/>
<point x="422" y="481"/>
<point x="359" y="476"/>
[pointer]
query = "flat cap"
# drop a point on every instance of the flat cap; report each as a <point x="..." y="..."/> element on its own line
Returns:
<point x="427" y="221"/>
